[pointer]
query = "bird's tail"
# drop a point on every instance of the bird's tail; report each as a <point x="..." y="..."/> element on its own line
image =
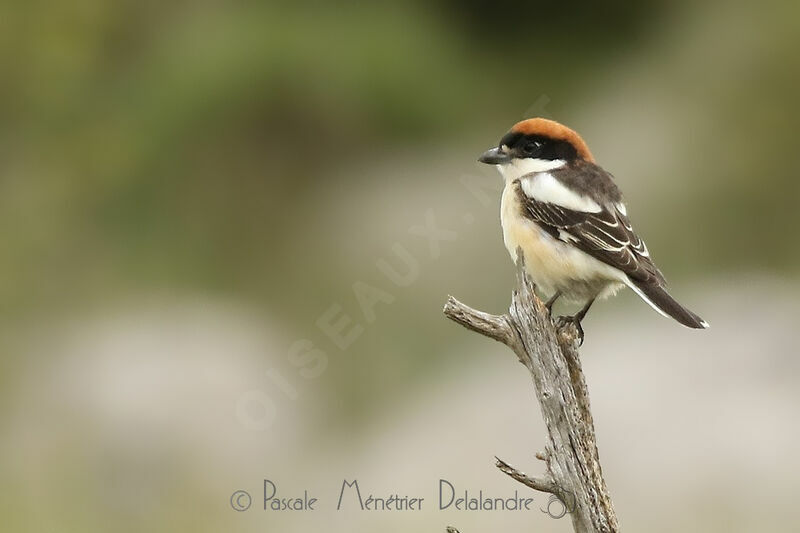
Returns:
<point x="661" y="301"/>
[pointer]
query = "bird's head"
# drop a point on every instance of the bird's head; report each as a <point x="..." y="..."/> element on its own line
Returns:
<point x="536" y="145"/>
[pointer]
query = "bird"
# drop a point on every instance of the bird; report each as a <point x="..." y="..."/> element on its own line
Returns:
<point x="568" y="217"/>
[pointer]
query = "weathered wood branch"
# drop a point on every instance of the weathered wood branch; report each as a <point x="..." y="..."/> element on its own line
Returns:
<point x="550" y="353"/>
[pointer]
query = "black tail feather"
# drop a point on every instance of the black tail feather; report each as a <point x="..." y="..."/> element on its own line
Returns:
<point x="659" y="298"/>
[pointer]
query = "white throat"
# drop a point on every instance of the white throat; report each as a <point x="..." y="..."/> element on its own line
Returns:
<point x="519" y="167"/>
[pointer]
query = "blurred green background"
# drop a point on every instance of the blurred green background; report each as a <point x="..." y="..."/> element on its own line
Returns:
<point x="185" y="188"/>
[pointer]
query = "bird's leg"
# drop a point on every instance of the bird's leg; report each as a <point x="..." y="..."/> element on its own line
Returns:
<point x="577" y="318"/>
<point x="582" y="313"/>
<point x="551" y="301"/>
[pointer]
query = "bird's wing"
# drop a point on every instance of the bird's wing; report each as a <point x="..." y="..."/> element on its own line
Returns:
<point x="604" y="232"/>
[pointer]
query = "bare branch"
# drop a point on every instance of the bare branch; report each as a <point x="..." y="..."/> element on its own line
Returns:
<point x="540" y="484"/>
<point x="550" y="354"/>
<point x="495" y="327"/>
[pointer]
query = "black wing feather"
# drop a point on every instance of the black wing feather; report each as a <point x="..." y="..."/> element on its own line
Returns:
<point x="606" y="235"/>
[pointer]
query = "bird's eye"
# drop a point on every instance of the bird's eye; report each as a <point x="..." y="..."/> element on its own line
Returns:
<point x="531" y="147"/>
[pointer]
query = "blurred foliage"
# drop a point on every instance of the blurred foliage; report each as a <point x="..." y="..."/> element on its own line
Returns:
<point x="158" y="143"/>
<point x="188" y="146"/>
<point x="267" y="153"/>
<point x="539" y="31"/>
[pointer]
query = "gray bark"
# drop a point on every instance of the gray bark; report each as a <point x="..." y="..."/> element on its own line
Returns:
<point x="550" y="353"/>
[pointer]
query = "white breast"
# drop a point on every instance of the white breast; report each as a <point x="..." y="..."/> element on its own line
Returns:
<point x="552" y="264"/>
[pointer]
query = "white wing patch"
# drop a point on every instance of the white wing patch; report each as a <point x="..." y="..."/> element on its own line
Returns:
<point x="543" y="187"/>
<point x="610" y="236"/>
<point x="566" y="237"/>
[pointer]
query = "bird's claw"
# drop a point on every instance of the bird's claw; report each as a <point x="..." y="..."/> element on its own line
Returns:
<point x="575" y="321"/>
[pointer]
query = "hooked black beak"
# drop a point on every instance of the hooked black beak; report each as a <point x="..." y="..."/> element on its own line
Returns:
<point x="495" y="156"/>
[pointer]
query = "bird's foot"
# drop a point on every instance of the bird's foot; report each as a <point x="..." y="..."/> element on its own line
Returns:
<point x="549" y="303"/>
<point x="574" y="320"/>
